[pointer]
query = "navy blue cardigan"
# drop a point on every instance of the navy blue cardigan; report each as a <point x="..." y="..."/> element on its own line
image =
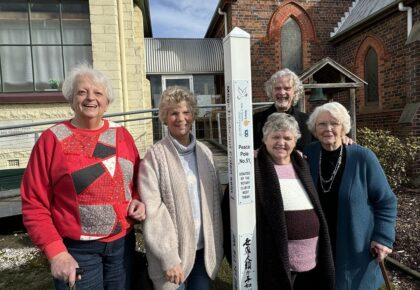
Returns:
<point x="367" y="210"/>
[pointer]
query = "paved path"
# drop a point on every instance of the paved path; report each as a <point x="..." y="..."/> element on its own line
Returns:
<point x="220" y="159"/>
<point x="10" y="203"/>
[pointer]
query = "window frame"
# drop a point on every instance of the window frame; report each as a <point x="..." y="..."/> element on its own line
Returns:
<point x="42" y="96"/>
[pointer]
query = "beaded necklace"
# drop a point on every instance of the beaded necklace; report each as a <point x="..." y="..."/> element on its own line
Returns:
<point x="334" y="173"/>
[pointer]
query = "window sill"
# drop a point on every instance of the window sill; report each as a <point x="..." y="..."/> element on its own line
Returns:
<point x="31" y="98"/>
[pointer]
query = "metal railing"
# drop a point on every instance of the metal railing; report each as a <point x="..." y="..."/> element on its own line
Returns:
<point x="17" y="141"/>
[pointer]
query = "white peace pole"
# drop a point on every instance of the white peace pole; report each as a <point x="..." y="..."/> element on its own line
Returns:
<point x="237" y="62"/>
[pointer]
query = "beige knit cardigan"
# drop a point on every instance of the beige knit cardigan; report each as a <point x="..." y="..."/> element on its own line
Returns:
<point x="169" y="226"/>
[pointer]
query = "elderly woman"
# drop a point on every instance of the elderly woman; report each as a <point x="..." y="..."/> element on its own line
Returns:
<point x="181" y="191"/>
<point x="293" y="246"/>
<point x="284" y="88"/>
<point x="79" y="194"/>
<point x="358" y="202"/>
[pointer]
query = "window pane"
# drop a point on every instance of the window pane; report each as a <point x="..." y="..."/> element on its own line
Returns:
<point x="156" y="88"/>
<point x="204" y="85"/>
<point x="74" y="55"/>
<point x="371" y="76"/>
<point x="76" y="24"/>
<point x="14" y="25"/>
<point x="48" y="66"/>
<point x="291" y="46"/>
<point x="204" y="89"/>
<point x="16" y="68"/>
<point x="178" y="82"/>
<point x="45" y="23"/>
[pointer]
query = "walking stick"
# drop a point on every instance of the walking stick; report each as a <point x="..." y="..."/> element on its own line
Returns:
<point x="79" y="272"/>
<point x="385" y="275"/>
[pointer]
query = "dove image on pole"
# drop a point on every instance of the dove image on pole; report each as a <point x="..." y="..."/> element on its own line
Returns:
<point x="237" y="62"/>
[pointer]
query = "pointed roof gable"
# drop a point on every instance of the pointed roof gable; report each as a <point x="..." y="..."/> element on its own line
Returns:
<point x="327" y="73"/>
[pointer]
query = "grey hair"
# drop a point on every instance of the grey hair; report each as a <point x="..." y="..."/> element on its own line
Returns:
<point x="337" y="111"/>
<point x="281" y="121"/>
<point x="173" y="96"/>
<point x="84" y="69"/>
<point x="295" y="82"/>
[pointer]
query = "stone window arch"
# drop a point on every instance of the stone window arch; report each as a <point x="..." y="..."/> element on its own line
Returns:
<point x="286" y="12"/>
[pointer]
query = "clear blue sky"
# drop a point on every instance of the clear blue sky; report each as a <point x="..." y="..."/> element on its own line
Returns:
<point x="181" y="18"/>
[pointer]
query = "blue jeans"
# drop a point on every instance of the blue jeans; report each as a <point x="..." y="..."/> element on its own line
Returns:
<point x="198" y="278"/>
<point x="106" y="265"/>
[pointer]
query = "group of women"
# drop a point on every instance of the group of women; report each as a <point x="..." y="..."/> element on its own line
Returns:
<point x="319" y="224"/>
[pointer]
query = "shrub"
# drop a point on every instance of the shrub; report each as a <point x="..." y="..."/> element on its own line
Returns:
<point x="53" y="84"/>
<point x="393" y="153"/>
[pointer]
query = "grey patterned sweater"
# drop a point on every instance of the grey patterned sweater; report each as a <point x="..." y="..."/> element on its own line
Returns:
<point x="169" y="226"/>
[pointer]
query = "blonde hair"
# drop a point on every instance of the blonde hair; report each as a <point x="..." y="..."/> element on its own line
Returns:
<point x="175" y="95"/>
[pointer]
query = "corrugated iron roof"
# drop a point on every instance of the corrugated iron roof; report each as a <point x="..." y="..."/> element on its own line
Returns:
<point x="360" y="11"/>
<point x="183" y="55"/>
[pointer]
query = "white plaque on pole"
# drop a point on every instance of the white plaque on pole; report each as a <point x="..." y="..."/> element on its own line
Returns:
<point x="237" y="62"/>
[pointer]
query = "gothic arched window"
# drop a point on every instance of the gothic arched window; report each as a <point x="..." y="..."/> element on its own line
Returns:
<point x="291" y="46"/>
<point x="371" y="76"/>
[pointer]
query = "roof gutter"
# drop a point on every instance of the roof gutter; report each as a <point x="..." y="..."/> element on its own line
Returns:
<point x="409" y="10"/>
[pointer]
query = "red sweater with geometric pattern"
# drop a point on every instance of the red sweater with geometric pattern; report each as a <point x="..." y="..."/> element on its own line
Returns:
<point x="78" y="184"/>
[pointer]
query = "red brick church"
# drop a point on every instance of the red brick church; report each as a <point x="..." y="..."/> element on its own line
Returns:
<point x="376" y="40"/>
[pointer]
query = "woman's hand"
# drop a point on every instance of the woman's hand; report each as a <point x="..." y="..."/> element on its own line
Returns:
<point x="137" y="210"/>
<point x="379" y="251"/>
<point x="346" y="140"/>
<point x="63" y="267"/>
<point x="175" y="275"/>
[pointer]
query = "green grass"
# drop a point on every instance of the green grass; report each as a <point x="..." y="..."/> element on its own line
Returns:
<point x="223" y="280"/>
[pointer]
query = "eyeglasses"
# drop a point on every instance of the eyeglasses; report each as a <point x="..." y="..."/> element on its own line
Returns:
<point x="326" y="125"/>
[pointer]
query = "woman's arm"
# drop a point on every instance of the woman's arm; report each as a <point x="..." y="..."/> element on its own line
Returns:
<point x="383" y="201"/>
<point x="37" y="196"/>
<point x="136" y="208"/>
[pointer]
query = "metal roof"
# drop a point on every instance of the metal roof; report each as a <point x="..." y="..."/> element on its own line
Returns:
<point x="183" y="55"/>
<point x="359" y="12"/>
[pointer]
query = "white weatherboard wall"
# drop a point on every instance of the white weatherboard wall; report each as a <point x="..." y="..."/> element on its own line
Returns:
<point x="237" y="62"/>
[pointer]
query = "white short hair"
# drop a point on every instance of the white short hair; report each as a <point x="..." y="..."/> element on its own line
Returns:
<point x="84" y="69"/>
<point x="337" y="110"/>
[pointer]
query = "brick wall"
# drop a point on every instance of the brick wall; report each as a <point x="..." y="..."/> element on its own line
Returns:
<point x="263" y="19"/>
<point x="399" y="63"/>
<point x="399" y="77"/>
